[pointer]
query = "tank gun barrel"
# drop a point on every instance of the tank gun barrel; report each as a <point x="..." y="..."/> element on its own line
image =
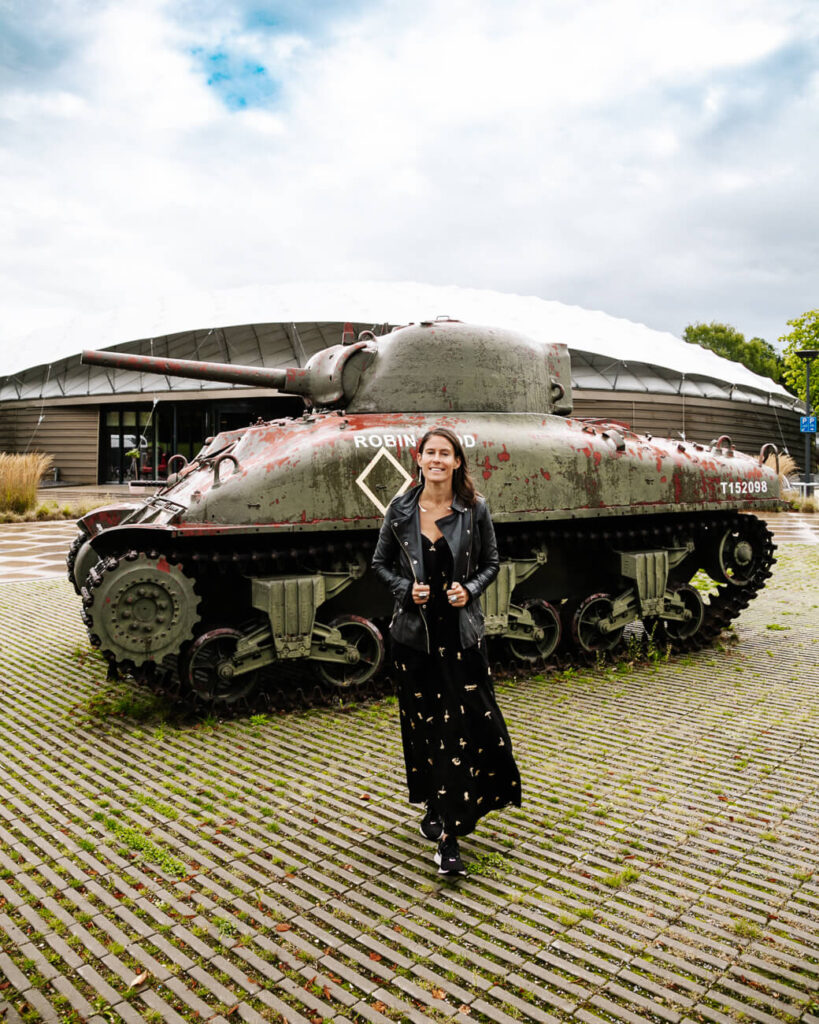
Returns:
<point x="293" y="379"/>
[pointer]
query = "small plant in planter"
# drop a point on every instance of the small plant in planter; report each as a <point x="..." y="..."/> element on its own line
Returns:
<point x="134" y="456"/>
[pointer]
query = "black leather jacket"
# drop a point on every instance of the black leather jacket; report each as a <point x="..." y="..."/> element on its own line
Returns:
<point x="398" y="561"/>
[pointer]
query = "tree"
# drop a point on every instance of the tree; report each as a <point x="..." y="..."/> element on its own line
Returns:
<point x="805" y="334"/>
<point x="757" y="354"/>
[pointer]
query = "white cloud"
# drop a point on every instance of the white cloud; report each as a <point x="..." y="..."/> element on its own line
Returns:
<point x="652" y="160"/>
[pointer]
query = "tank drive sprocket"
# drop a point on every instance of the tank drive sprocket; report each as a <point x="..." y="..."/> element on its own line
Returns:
<point x="140" y="607"/>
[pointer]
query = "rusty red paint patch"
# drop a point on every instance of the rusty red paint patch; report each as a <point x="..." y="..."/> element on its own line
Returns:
<point x="504" y="455"/>
<point x="163" y="565"/>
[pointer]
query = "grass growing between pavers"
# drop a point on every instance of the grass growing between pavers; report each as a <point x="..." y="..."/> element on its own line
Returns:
<point x="662" y="866"/>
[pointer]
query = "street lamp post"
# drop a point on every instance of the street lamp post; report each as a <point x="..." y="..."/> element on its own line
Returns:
<point x="808" y="355"/>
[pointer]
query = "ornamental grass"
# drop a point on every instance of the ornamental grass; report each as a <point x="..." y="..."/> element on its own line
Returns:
<point x="20" y="476"/>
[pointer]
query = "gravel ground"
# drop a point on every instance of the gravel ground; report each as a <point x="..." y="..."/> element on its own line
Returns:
<point x="662" y="867"/>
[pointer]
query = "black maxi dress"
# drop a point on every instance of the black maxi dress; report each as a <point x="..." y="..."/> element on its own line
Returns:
<point x="456" y="745"/>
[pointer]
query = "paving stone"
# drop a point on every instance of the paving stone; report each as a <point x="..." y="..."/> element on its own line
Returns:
<point x="368" y="1012"/>
<point x="91" y="944"/>
<point x="173" y="953"/>
<point x="98" y="983"/>
<point x="77" y="999"/>
<point x="42" y="1006"/>
<point x="531" y="1011"/>
<point x="13" y="974"/>
<point x="194" y="943"/>
<point x="494" y="1013"/>
<point x="222" y="993"/>
<point x="127" y="1012"/>
<point x="189" y="998"/>
<point x="155" y="1002"/>
<point x="62" y="949"/>
<point x="285" y="1011"/>
<point x="248" y="1014"/>
<point x="9" y="1014"/>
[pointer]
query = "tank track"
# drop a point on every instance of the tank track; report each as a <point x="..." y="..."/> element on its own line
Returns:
<point x="294" y="686"/>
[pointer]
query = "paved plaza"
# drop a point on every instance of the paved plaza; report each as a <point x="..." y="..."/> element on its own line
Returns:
<point x="662" y="868"/>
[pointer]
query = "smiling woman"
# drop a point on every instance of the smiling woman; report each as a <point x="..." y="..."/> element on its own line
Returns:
<point x="437" y="554"/>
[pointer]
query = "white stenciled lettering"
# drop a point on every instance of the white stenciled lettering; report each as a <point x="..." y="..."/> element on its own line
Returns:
<point x="746" y="487"/>
<point x="403" y="440"/>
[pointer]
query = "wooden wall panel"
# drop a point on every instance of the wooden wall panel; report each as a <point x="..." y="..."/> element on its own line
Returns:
<point x="68" y="433"/>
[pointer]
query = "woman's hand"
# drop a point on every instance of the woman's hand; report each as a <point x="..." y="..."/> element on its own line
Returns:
<point x="457" y="595"/>
<point x="420" y="593"/>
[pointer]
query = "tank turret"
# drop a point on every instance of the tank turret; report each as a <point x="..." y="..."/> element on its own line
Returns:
<point x="254" y="557"/>
<point x="435" y="366"/>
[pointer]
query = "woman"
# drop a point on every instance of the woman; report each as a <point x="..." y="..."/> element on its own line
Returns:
<point x="437" y="554"/>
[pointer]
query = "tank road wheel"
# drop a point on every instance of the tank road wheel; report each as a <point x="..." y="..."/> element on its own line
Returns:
<point x="547" y="620"/>
<point x="586" y="624"/>
<point x="208" y="668"/>
<point x="677" y="629"/>
<point x="366" y="648"/>
<point x="737" y="557"/>
<point x="141" y="607"/>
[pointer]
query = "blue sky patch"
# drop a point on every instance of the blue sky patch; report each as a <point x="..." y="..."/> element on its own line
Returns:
<point x="296" y="16"/>
<point x="238" y="82"/>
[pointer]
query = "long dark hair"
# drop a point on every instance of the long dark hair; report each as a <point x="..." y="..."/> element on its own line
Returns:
<point x="462" y="486"/>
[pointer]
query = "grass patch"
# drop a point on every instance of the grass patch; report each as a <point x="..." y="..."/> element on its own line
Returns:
<point x="491" y="865"/>
<point x="617" y="879"/>
<point x="114" y="700"/>
<point x="136" y="841"/>
<point x="746" y="929"/>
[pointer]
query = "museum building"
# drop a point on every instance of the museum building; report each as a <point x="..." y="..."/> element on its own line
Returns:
<point x="104" y="425"/>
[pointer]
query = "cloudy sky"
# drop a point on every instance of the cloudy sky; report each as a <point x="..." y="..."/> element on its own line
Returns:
<point x="656" y="160"/>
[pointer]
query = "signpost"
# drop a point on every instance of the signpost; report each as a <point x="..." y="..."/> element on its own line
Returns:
<point x="807" y="424"/>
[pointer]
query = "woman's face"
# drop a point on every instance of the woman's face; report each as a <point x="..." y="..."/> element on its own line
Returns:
<point x="438" y="460"/>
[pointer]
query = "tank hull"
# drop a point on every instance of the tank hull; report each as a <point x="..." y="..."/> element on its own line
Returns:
<point x="336" y="472"/>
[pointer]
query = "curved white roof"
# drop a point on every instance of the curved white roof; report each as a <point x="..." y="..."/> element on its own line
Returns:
<point x="607" y="352"/>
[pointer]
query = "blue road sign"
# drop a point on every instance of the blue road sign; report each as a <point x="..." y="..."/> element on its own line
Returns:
<point x="807" y="424"/>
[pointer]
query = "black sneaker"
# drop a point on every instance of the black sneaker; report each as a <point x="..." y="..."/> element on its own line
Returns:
<point x="431" y="825"/>
<point x="448" y="857"/>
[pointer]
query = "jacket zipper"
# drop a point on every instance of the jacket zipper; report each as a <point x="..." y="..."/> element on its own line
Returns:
<point x="412" y="570"/>
<point x="469" y="554"/>
<point x="471" y="540"/>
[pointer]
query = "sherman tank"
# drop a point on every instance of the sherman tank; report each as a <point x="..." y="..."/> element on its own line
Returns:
<point x="253" y="559"/>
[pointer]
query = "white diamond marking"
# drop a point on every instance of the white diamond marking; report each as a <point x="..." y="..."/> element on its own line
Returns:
<point x="382" y="453"/>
